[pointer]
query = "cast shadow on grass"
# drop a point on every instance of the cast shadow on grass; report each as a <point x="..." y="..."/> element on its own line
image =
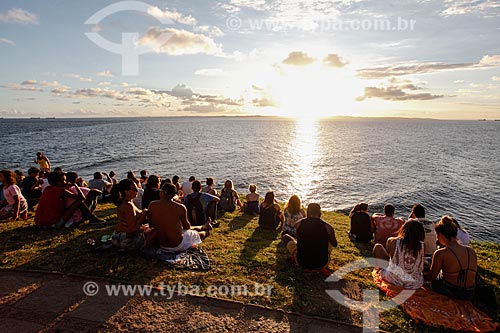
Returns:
<point x="261" y="238"/>
<point x="240" y="221"/>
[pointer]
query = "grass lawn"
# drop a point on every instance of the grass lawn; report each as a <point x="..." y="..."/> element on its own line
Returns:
<point x="240" y="253"/>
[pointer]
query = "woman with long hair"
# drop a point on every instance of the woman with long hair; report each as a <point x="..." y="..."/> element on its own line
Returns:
<point x="454" y="267"/>
<point x="152" y="191"/>
<point x="406" y="256"/>
<point x="129" y="231"/>
<point x="229" y="198"/>
<point x="293" y="213"/>
<point x="16" y="205"/>
<point x="270" y="213"/>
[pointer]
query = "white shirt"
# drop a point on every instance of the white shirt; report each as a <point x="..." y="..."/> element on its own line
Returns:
<point x="187" y="188"/>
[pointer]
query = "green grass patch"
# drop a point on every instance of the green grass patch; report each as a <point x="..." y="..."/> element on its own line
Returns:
<point x="241" y="254"/>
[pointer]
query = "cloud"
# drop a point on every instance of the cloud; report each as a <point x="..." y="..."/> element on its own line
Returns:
<point x="210" y="72"/>
<point x="77" y="76"/>
<point x="60" y="90"/>
<point x="395" y="94"/>
<point x="19" y="16"/>
<point x="28" y="82"/>
<point x="178" y="42"/>
<point x="104" y="83"/>
<point x="483" y="8"/>
<point x="459" y="81"/>
<point x="298" y="58"/>
<point x="15" y="86"/>
<point x="205" y="108"/>
<point x="209" y="30"/>
<point x="7" y="41"/>
<point x="106" y="73"/>
<point x="495" y="78"/>
<point x="423" y="68"/>
<point x="334" y="60"/>
<point x="490" y="60"/>
<point x="399" y="90"/>
<point x="49" y="84"/>
<point x="263" y="102"/>
<point x="181" y="90"/>
<point x="171" y="15"/>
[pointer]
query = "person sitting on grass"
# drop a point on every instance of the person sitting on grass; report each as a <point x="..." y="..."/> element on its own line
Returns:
<point x="463" y="237"/>
<point x="315" y="240"/>
<point x="386" y="225"/>
<point x="174" y="233"/>
<point x="293" y="213"/>
<point x="91" y="196"/>
<point x="453" y="268"/>
<point x="229" y="198"/>
<point x="212" y="206"/>
<point x="197" y="203"/>
<point x="32" y="187"/>
<point x="152" y="191"/>
<point x="405" y="255"/>
<point x="16" y="205"/>
<point x="100" y="184"/>
<point x="130" y="230"/>
<point x="270" y="216"/>
<point x="252" y="205"/>
<point x="210" y="187"/>
<point x="418" y="214"/>
<point x="51" y="210"/>
<point x="361" y="224"/>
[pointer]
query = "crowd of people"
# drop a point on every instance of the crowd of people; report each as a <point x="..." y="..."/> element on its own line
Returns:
<point x="171" y="215"/>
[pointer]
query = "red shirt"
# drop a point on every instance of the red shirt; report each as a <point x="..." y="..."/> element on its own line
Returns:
<point x="51" y="206"/>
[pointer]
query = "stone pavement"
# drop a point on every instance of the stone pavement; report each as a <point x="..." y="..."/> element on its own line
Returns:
<point x="43" y="302"/>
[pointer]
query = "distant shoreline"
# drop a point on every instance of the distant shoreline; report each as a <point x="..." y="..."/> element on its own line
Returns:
<point x="352" y="118"/>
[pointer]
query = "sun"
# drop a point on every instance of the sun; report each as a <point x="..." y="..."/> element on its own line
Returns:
<point x="315" y="92"/>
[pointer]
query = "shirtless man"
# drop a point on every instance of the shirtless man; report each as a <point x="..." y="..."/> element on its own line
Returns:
<point x="169" y="218"/>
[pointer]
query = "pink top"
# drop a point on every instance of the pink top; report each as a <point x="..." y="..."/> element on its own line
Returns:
<point x="386" y="226"/>
<point x="10" y="192"/>
<point x="77" y="215"/>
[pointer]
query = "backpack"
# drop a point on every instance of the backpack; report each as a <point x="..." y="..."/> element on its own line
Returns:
<point x="227" y="201"/>
<point x="195" y="210"/>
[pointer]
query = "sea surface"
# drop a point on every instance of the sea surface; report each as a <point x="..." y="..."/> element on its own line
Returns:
<point x="451" y="167"/>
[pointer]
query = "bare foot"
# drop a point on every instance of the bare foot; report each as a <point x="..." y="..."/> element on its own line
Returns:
<point x="207" y="226"/>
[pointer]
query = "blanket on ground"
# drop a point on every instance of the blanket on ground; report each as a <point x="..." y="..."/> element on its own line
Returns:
<point x="433" y="309"/>
<point x="192" y="259"/>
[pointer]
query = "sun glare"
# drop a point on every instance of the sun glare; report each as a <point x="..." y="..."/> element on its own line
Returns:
<point x="315" y="92"/>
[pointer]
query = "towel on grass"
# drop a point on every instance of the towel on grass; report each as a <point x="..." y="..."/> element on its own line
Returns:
<point x="193" y="258"/>
<point x="433" y="309"/>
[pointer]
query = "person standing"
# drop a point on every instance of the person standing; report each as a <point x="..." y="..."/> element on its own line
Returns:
<point x="43" y="162"/>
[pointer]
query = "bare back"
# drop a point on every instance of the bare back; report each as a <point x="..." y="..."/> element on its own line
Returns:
<point x="169" y="218"/>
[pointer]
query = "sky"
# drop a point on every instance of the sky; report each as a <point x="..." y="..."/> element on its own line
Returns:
<point x="304" y="59"/>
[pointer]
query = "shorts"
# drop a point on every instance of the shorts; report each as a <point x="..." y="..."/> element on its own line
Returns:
<point x="190" y="238"/>
<point x="23" y="207"/>
<point x="445" y="288"/>
<point x="129" y="243"/>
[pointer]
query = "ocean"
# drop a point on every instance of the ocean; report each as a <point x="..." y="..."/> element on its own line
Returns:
<point x="451" y="167"/>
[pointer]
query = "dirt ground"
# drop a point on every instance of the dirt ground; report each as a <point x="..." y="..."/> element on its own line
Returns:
<point x="40" y="302"/>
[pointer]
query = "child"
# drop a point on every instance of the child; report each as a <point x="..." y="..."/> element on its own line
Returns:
<point x="252" y="206"/>
<point x="16" y="203"/>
